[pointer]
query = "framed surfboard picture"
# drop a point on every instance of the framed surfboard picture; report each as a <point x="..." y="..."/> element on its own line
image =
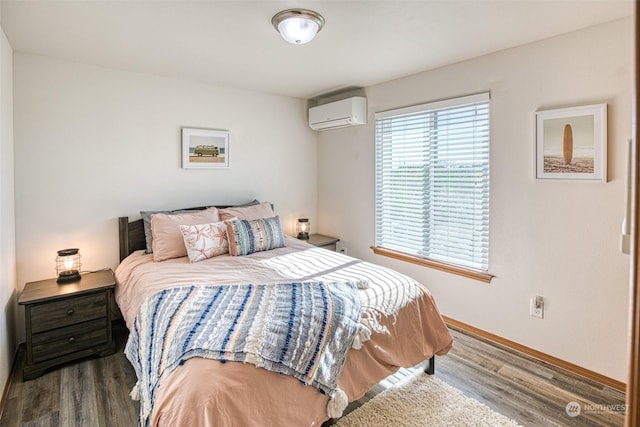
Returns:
<point x="571" y="143"/>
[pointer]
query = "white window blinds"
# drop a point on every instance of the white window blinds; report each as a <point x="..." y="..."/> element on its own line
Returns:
<point x="432" y="181"/>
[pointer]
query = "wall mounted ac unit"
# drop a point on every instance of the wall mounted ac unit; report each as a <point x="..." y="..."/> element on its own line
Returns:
<point x="346" y="112"/>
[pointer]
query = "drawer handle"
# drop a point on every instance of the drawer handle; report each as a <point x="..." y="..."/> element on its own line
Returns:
<point x="71" y="340"/>
<point x="70" y="312"/>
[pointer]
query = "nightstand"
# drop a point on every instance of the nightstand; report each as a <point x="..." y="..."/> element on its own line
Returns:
<point x="69" y="321"/>
<point x="322" y="241"/>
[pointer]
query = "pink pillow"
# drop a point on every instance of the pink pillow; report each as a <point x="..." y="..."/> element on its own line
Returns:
<point x="205" y="241"/>
<point x="263" y="210"/>
<point x="167" y="237"/>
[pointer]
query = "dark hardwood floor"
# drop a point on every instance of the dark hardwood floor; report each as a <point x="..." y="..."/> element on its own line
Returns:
<point x="95" y="392"/>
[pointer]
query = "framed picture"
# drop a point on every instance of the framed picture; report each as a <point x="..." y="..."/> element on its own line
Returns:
<point x="571" y="143"/>
<point x="205" y="148"/>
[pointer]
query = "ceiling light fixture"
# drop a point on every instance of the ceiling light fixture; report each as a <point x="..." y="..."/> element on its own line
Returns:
<point x="298" y="26"/>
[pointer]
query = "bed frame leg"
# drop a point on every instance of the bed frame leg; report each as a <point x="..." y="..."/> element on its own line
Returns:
<point x="430" y="367"/>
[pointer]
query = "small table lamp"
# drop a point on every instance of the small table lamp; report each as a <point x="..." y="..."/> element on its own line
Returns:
<point x="68" y="265"/>
<point x="302" y="227"/>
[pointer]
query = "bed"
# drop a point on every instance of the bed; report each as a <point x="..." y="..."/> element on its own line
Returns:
<point x="401" y="321"/>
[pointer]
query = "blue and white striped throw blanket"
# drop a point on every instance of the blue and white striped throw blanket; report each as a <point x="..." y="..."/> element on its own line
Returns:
<point x="300" y="329"/>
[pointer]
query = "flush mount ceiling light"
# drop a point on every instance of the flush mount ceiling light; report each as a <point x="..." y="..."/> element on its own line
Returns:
<point x="298" y="26"/>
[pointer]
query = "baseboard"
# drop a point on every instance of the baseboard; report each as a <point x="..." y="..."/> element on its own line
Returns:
<point x="7" y="384"/>
<point x="538" y="355"/>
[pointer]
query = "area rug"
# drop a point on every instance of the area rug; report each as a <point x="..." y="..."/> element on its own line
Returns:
<point x="420" y="401"/>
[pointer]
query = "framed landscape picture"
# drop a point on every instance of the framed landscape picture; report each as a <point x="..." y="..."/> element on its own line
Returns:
<point x="571" y="143"/>
<point x="205" y="148"/>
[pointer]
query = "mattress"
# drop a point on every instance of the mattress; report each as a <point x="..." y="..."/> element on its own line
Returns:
<point x="401" y="313"/>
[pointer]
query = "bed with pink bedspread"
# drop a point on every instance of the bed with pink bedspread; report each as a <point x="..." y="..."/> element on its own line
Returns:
<point x="405" y="324"/>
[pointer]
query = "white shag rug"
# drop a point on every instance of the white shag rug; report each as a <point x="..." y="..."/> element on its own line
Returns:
<point x="420" y="401"/>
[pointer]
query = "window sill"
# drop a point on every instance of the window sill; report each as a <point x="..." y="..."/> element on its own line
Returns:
<point x="464" y="272"/>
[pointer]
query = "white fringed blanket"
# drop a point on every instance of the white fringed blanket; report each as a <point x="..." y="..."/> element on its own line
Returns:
<point x="300" y="329"/>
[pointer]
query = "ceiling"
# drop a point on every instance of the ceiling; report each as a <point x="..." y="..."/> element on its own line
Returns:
<point x="233" y="44"/>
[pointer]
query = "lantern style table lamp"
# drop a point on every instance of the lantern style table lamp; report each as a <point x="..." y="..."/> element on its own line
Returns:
<point x="68" y="265"/>
<point x="302" y="227"/>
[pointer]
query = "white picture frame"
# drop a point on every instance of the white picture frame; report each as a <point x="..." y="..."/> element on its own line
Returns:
<point x="571" y="143"/>
<point x="205" y="148"/>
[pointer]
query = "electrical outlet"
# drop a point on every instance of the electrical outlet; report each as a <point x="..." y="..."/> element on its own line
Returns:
<point x="536" y="307"/>
<point x="343" y="250"/>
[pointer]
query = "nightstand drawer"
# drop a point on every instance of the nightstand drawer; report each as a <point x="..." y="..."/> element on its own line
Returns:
<point x="58" y="342"/>
<point x="68" y="311"/>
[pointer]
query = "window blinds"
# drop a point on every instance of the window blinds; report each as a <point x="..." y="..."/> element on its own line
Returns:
<point x="432" y="181"/>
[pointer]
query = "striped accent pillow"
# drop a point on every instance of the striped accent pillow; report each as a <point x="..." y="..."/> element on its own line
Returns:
<point x="246" y="237"/>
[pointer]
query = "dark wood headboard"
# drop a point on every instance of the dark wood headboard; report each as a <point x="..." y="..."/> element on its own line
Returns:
<point x="132" y="233"/>
<point x="131" y="236"/>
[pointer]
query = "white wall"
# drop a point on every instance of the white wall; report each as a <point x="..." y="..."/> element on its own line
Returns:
<point x="7" y="217"/>
<point x="93" y="144"/>
<point x="557" y="239"/>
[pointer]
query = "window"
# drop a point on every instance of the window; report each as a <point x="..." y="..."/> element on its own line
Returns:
<point x="432" y="182"/>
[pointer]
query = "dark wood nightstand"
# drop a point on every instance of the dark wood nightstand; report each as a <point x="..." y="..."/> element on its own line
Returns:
<point x="69" y="321"/>
<point x="322" y="241"/>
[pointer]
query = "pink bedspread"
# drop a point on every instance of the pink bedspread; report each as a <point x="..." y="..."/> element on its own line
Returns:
<point x="407" y="329"/>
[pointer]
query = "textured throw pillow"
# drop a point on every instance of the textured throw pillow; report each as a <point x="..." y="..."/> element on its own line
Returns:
<point x="263" y="210"/>
<point x="249" y="236"/>
<point x="167" y="237"/>
<point x="205" y="241"/>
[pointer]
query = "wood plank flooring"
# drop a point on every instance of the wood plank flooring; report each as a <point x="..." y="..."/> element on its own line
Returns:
<point x="95" y="392"/>
<point x="531" y="392"/>
<point x="90" y="393"/>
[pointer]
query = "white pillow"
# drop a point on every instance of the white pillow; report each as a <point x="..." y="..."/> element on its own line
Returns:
<point x="205" y="241"/>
